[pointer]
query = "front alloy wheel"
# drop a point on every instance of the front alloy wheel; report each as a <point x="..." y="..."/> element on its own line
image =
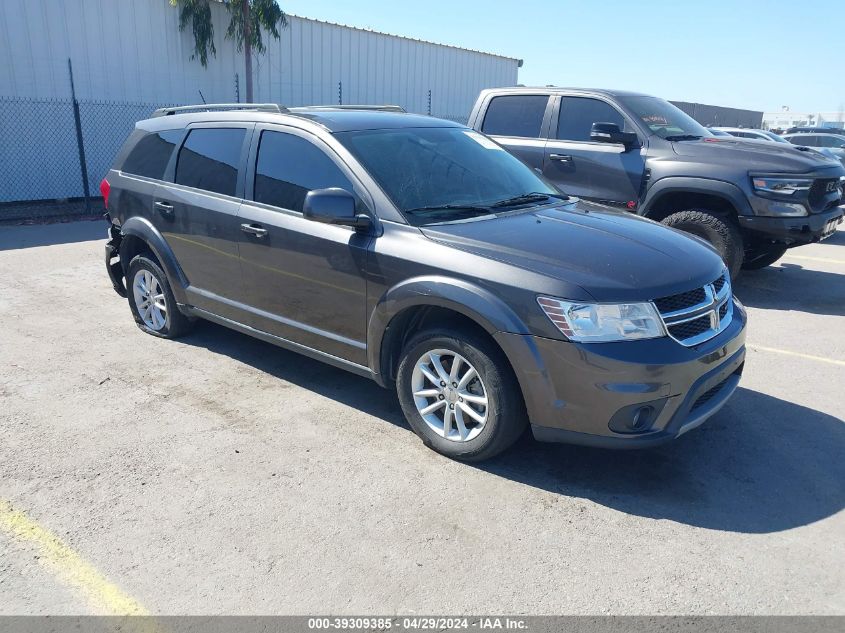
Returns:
<point x="459" y="393"/>
<point x="449" y="395"/>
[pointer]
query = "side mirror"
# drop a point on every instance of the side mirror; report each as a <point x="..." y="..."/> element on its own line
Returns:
<point x="610" y="133"/>
<point x="333" y="206"/>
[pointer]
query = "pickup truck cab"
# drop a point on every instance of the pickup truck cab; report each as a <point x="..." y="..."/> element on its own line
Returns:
<point x="751" y="201"/>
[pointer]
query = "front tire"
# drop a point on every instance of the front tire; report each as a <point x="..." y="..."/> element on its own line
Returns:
<point x="151" y="300"/>
<point x="459" y="394"/>
<point x="757" y="259"/>
<point x="718" y="231"/>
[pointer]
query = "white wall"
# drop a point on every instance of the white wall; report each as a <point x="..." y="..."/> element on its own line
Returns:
<point x="132" y="50"/>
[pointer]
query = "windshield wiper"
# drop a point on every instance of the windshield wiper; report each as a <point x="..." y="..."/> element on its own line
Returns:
<point x="683" y="137"/>
<point x="527" y="198"/>
<point x="434" y="209"/>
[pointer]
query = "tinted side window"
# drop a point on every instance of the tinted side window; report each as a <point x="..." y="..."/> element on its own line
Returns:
<point x="151" y="154"/>
<point x="809" y="141"/>
<point x="577" y="115"/>
<point x="831" y="141"/>
<point x="209" y="159"/>
<point x="289" y="167"/>
<point x="515" y="115"/>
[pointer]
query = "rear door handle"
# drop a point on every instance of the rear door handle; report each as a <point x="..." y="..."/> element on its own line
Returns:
<point x="254" y="229"/>
<point x="562" y="158"/>
<point x="164" y="208"/>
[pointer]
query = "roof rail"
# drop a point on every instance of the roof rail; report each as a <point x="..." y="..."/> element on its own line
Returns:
<point x="381" y="108"/>
<point x="208" y="107"/>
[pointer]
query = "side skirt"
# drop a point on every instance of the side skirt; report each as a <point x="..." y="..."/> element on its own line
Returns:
<point x="336" y="361"/>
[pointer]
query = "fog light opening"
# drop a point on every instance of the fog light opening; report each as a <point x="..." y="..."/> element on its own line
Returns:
<point x="641" y="419"/>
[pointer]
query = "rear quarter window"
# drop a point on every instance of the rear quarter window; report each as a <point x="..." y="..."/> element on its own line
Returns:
<point x="209" y="159"/>
<point x="515" y="115"/>
<point x="150" y="155"/>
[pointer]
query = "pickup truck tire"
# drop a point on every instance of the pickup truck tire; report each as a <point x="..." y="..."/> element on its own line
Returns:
<point x="469" y="440"/>
<point x="757" y="259"/>
<point x="145" y="280"/>
<point x="718" y="231"/>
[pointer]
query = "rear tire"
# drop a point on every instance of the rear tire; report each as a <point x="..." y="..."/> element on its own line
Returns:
<point x="475" y="432"/>
<point x="760" y="258"/>
<point x="716" y="230"/>
<point x="151" y="300"/>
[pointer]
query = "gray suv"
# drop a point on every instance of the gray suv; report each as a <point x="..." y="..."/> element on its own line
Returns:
<point x="751" y="201"/>
<point x="420" y="254"/>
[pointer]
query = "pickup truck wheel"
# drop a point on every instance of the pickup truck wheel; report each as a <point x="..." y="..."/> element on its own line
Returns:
<point x="152" y="302"/>
<point x="760" y="258"/>
<point x="459" y="394"/>
<point x="719" y="232"/>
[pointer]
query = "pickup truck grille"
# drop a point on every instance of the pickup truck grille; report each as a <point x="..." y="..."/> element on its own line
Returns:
<point x="820" y="190"/>
<point x="698" y="315"/>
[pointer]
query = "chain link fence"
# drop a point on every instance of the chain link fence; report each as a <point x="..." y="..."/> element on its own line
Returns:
<point x="41" y="159"/>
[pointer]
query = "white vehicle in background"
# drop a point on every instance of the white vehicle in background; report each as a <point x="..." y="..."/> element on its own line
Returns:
<point x="831" y="144"/>
<point x="752" y="134"/>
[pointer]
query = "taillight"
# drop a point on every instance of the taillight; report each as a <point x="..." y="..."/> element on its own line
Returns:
<point x="105" y="189"/>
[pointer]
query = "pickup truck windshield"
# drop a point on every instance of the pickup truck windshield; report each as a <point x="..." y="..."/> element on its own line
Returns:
<point x="446" y="174"/>
<point x="664" y="119"/>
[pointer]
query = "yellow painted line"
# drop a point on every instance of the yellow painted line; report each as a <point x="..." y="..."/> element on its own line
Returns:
<point x="826" y="260"/>
<point x="69" y="566"/>
<point x="820" y="359"/>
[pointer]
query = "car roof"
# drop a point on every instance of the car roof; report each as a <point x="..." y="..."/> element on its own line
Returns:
<point x="740" y="129"/>
<point x="328" y="118"/>
<point x="560" y="89"/>
<point x="814" y="134"/>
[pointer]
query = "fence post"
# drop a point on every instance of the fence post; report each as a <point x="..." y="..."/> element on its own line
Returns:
<point x="429" y="102"/>
<point x="237" y="89"/>
<point x="339" y="93"/>
<point x="78" y="122"/>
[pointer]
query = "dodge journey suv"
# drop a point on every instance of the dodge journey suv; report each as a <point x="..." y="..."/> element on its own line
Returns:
<point x="418" y="253"/>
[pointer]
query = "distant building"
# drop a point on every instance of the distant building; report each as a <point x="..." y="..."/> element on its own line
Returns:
<point x="785" y="119"/>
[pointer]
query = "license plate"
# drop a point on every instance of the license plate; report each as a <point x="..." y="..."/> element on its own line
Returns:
<point x="829" y="229"/>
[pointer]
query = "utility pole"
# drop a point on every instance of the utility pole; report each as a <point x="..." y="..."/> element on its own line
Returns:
<point x="247" y="49"/>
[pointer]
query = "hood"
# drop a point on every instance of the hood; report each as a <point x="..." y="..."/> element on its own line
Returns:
<point x="611" y="255"/>
<point x="759" y="155"/>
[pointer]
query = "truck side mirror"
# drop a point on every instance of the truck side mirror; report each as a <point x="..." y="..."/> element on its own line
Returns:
<point x="610" y="133"/>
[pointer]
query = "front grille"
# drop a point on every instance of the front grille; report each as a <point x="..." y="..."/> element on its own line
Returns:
<point x="690" y="329"/>
<point x="697" y="315"/>
<point x="708" y="395"/>
<point x="680" y="301"/>
<point x="819" y="191"/>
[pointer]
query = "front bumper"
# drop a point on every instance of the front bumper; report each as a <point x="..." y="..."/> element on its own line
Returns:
<point x="588" y="393"/>
<point x="793" y="231"/>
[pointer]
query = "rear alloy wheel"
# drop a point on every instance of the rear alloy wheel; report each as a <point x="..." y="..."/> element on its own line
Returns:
<point x="459" y="394"/>
<point x="718" y="231"/>
<point x="151" y="301"/>
<point x="760" y="258"/>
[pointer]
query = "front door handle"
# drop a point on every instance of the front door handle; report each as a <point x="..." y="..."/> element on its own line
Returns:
<point x="254" y="229"/>
<point x="561" y="158"/>
<point x="164" y="208"/>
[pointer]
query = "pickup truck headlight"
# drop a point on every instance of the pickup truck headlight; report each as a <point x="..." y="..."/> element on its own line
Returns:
<point x="786" y="187"/>
<point x="603" y="322"/>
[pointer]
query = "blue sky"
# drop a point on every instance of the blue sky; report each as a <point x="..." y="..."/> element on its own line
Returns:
<point x="738" y="53"/>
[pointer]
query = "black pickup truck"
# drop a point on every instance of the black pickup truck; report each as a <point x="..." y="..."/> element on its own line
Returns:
<point x="751" y="201"/>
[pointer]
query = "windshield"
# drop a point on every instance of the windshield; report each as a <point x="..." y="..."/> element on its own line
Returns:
<point x="664" y="119"/>
<point x="445" y="174"/>
<point x="774" y="137"/>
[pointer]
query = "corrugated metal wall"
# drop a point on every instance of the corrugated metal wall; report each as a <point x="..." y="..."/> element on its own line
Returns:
<point x="129" y="58"/>
<point x="132" y="50"/>
<point x="720" y="116"/>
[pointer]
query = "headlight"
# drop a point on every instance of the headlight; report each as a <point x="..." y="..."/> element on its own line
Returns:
<point x="781" y="186"/>
<point x="603" y="322"/>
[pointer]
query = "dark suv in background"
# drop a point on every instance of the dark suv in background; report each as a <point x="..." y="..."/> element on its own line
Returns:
<point x="417" y="252"/>
<point x="751" y="201"/>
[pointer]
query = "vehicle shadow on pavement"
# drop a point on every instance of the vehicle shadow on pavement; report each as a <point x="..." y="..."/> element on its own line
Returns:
<point x="31" y="235"/>
<point x="760" y="465"/>
<point x="793" y="287"/>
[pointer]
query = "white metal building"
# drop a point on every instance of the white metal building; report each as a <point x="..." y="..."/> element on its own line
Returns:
<point x="786" y="119"/>
<point x="129" y="57"/>
<point x="132" y="50"/>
